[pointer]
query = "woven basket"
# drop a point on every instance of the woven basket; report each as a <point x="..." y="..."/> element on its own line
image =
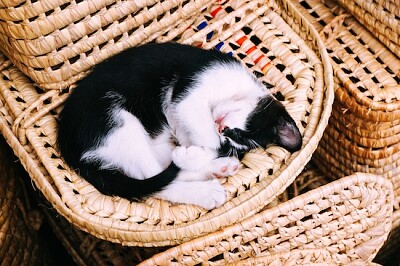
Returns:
<point x="56" y="42"/>
<point x="300" y="72"/>
<point x="86" y="249"/>
<point x="20" y="243"/>
<point x="363" y="132"/>
<point x="349" y="218"/>
<point x="380" y="17"/>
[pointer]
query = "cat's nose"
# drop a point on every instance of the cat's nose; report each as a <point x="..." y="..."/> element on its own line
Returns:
<point x="221" y="128"/>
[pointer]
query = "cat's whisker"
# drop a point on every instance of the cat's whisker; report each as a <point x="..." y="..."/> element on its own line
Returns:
<point x="254" y="144"/>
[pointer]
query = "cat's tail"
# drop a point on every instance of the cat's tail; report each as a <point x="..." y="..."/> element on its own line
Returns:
<point x="115" y="183"/>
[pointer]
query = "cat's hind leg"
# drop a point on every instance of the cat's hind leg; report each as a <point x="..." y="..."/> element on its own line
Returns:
<point x="130" y="149"/>
<point x="207" y="194"/>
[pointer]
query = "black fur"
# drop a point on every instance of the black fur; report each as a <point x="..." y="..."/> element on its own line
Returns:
<point x="269" y="123"/>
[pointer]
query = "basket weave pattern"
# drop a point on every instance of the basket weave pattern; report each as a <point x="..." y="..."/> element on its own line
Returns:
<point x="349" y="218"/>
<point x="55" y="42"/>
<point x="363" y="132"/>
<point x="299" y="70"/>
<point x="382" y="18"/>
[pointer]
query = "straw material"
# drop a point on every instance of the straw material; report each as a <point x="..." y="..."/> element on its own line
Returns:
<point x="363" y="132"/>
<point x="349" y="218"/>
<point x="300" y="72"/>
<point x="20" y="243"/>
<point x="85" y="249"/>
<point x="381" y="17"/>
<point x="56" y="42"/>
<point x="310" y="257"/>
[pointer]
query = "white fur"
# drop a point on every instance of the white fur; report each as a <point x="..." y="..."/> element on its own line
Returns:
<point x="227" y="91"/>
<point x="130" y="149"/>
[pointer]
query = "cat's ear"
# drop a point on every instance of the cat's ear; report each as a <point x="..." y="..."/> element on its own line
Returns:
<point x="288" y="135"/>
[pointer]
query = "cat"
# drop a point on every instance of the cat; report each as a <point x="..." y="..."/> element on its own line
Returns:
<point x="167" y="120"/>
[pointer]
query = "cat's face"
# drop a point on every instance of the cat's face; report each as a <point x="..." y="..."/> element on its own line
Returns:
<point x="267" y="123"/>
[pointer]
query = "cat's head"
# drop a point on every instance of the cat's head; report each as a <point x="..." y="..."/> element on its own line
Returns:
<point x="268" y="123"/>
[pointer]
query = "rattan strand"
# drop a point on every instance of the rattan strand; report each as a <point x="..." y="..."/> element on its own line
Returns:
<point x="367" y="134"/>
<point x="379" y="17"/>
<point x="303" y="78"/>
<point x="310" y="257"/>
<point x="350" y="218"/>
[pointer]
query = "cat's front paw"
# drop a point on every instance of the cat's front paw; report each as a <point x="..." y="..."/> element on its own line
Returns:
<point x="225" y="166"/>
<point x="192" y="157"/>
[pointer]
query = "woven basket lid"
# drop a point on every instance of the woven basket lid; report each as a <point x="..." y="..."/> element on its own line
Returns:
<point x="349" y="218"/>
<point x="294" y="62"/>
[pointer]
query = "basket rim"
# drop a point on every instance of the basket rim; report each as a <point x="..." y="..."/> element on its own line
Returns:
<point x="118" y="231"/>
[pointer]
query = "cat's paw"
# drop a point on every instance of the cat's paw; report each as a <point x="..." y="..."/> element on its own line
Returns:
<point x="211" y="194"/>
<point x="225" y="166"/>
<point x="192" y="157"/>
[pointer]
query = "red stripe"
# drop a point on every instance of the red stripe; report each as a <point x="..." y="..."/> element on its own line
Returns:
<point x="241" y="40"/>
<point x="265" y="66"/>
<point x="214" y="13"/>
<point x="251" y="50"/>
<point x="258" y="58"/>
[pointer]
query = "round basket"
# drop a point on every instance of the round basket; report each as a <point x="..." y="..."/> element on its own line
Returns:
<point x="20" y="243"/>
<point x="382" y="18"/>
<point x="363" y="131"/>
<point x="349" y="219"/>
<point x="253" y="31"/>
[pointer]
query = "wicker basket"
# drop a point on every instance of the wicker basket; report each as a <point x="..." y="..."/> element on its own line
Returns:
<point x="381" y="17"/>
<point x="349" y="219"/>
<point x="300" y="72"/>
<point x="20" y="243"/>
<point x="363" y="132"/>
<point x="89" y="250"/>
<point x="56" y="42"/>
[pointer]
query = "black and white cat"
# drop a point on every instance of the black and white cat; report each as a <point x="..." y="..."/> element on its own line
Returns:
<point x="167" y="120"/>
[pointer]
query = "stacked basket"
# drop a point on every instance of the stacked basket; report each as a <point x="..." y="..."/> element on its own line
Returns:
<point x="363" y="133"/>
<point x="254" y="31"/>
